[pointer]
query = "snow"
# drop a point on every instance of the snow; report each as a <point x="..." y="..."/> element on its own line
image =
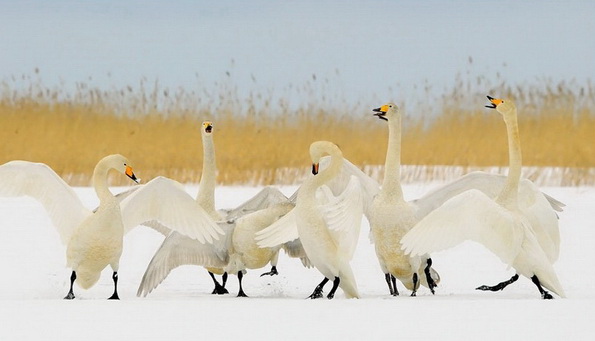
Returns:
<point x="35" y="279"/>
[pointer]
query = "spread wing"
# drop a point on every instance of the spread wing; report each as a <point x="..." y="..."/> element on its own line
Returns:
<point x="166" y="200"/>
<point x="343" y="215"/>
<point x="489" y="184"/>
<point x="470" y="215"/>
<point x="37" y="180"/>
<point x="369" y="186"/>
<point x="281" y="231"/>
<point x="177" y="250"/>
<point x="267" y="197"/>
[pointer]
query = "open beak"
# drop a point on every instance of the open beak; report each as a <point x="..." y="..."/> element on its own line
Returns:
<point x="381" y="112"/>
<point x="494" y="102"/>
<point x="315" y="168"/>
<point x="208" y="127"/>
<point x="131" y="175"/>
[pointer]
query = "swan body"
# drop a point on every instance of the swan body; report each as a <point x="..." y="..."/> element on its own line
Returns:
<point x="326" y="225"/>
<point x="524" y="236"/>
<point x="94" y="240"/>
<point x="392" y="217"/>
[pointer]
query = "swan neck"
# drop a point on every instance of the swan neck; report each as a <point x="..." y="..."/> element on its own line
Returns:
<point x="206" y="189"/>
<point x="509" y="193"/>
<point x="100" y="174"/>
<point x="330" y="172"/>
<point x="391" y="183"/>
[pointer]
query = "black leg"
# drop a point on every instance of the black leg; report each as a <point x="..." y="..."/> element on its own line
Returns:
<point x="392" y="284"/>
<point x="224" y="279"/>
<point x="219" y="289"/>
<point x="70" y="295"/>
<point x="499" y="286"/>
<point x="429" y="279"/>
<point x="318" y="290"/>
<point x="272" y="272"/>
<point x="115" y="294"/>
<point x="415" y="284"/>
<point x="241" y="293"/>
<point x="544" y="294"/>
<point x="335" y="286"/>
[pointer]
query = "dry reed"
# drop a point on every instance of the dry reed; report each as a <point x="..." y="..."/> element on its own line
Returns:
<point x="260" y="140"/>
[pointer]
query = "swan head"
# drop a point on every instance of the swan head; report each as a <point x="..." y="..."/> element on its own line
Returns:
<point x="504" y="107"/>
<point x="386" y="111"/>
<point x="207" y="127"/>
<point x="319" y="149"/>
<point x="120" y="164"/>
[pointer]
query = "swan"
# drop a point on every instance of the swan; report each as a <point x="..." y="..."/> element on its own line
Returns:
<point x="525" y="238"/>
<point x="235" y="255"/>
<point x="94" y="239"/>
<point x="392" y="217"/>
<point x="326" y="225"/>
<point x="181" y="250"/>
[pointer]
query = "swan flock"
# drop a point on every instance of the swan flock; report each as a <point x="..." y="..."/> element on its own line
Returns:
<point x="319" y="224"/>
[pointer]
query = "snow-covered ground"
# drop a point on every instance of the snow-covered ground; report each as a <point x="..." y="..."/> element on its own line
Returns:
<point x="34" y="280"/>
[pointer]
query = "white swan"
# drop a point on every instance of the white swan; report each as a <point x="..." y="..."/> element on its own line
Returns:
<point x="177" y="250"/>
<point x="94" y="239"/>
<point x="327" y="226"/>
<point x="526" y="239"/>
<point x="392" y="217"/>
<point x="235" y="255"/>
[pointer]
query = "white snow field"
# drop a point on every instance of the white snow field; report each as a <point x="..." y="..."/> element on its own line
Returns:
<point x="34" y="280"/>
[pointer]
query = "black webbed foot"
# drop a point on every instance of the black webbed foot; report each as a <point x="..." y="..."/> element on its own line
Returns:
<point x="271" y="273"/>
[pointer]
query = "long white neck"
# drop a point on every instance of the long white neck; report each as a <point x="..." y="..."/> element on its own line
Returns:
<point x="391" y="185"/>
<point x="206" y="191"/>
<point x="509" y="194"/>
<point x="100" y="182"/>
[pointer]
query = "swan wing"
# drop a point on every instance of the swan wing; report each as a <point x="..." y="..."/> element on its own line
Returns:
<point x="470" y="215"/>
<point x="177" y="250"/>
<point x="490" y="184"/>
<point x="37" y="180"/>
<point x="369" y="187"/>
<point x="343" y="215"/>
<point x="281" y="231"/>
<point x="295" y="249"/>
<point x="267" y="197"/>
<point x="166" y="200"/>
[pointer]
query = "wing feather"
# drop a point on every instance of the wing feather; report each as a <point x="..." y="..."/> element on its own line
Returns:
<point x="39" y="181"/>
<point x="281" y="231"/>
<point x="470" y="215"/>
<point x="166" y="200"/>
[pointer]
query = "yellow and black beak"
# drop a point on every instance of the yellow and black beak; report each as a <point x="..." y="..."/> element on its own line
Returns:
<point x="494" y="102"/>
<point x="315" y="168"/>
<point x="208" y="127"/>
<point x="131" y="175"/>
<point x="381" y="112"/>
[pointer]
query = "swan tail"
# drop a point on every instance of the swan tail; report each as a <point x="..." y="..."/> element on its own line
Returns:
<point x="348" y="283"/>
<point x="86" y="279"/>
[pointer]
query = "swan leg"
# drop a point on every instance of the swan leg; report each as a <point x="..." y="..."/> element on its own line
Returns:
<point x="429" y="279"/>
<point x="70" y="295"/>
<point x="241" y="293"/>
<point x="318" y="290"/>
<point x="501" y="285"/>
<point x="335" y="286"/>
<point x="415" y="285"/>
<point x="544" y="294"/>
<point x="272" y="272"/>
<point x="219" y="289"/>
<point x="392" y="284"/>
<point x="115" y="296"/>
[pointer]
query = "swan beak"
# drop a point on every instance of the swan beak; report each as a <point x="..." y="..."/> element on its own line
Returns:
<point x="315" y="168"/>
<point x="381" y="112"/>
<point x="131" y="175"/>
<point x="208" y="127"/>
<point x="494" y="102"/>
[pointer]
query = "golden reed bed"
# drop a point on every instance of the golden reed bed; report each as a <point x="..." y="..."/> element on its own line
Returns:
<point x="268" y="143"/>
